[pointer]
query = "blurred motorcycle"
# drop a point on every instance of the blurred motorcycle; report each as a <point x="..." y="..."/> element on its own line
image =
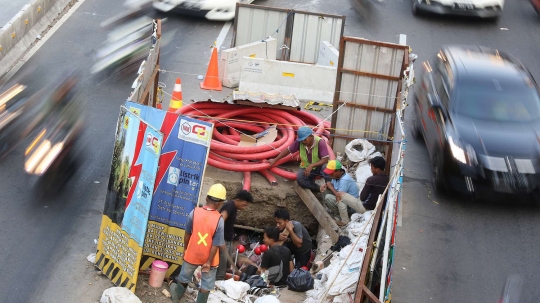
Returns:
<point x="12" y="108"/>
<point x="52" y="157"/>
<point x="126" y="46"/>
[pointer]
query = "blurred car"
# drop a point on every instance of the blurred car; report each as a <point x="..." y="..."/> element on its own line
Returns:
<point x="478" y="110"/>
<point x="218" y="10"/>
<point x="536" y="5"/>
<point x="474" y="8"/>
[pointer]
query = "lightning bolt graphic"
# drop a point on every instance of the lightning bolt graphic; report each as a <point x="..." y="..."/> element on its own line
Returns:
<point x="135" y="170"/>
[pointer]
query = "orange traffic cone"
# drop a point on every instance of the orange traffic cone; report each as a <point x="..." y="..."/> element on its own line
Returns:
<point x="176" y="99"/>
<point x="211" y="81"/>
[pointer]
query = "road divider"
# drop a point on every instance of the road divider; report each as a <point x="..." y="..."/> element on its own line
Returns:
<point x="27" y="26"/>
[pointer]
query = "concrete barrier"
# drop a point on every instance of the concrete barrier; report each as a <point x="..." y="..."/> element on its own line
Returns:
<point x="232" y="58"/>
<point x="306" y="81"/>
<point x="328" y="55"/>
<point x="22" y="30"/>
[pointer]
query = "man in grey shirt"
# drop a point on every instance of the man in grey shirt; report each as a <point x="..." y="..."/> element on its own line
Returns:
<point x="298" y="240"/>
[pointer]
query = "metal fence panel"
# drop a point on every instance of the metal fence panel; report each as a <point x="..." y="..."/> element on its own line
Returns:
<point x="309" y="30"/>
<point x="256" y="23"/>
<point x="368" y="84"/>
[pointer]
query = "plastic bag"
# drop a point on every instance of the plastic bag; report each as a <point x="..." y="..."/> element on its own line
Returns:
<point x="118" y="295"/>
<point x="235" y="289"/>
<point x="267" y="299"/>
<point x="256" y="281"/>
<point x="300" y="280"/>
<point x="356" y="155"/>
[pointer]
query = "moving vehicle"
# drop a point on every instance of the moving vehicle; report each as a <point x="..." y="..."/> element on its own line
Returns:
<point x="51" y="157"/>
<point x="478" y="110"/>
<point x="536" y="5"/>
<point x="218" y="10"/>
<point x="474" y="8"/>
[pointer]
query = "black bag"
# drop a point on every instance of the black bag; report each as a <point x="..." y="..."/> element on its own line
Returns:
<point x="341" y="242"/>
<point x="300" y="280"/>
<point x="256" y="281"/>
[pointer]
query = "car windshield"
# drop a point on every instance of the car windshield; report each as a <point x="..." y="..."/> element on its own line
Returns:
<point x="509" y="101"/>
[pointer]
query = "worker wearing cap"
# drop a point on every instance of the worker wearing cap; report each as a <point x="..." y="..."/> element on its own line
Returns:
<point x="313" y="156"/>
<point x="339" y="182"/>
<point x="207" y="227"/>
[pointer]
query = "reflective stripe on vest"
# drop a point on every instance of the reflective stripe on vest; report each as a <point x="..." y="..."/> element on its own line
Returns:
<point x="314" y="153"/>
<point x="205" y="222"/>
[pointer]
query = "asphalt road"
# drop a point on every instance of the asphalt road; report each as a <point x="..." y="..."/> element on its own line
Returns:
<point x="448" y="249"/>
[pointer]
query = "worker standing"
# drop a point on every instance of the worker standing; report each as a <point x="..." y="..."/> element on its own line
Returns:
<point x="207" y="227"/>
<point x="313" y="155"/>
<point x="228" y="211"/>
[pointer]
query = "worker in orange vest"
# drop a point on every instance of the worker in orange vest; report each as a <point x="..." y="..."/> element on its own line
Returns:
<point x="206" y="226"/>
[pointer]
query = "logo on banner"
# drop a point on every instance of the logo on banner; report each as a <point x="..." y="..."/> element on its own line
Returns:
<point x="174" y="175"/>
<point x="152" y="143"/>
<point x="126" y="122"/>
<point x="136" y="111"/>
<point x="193" y="132"/>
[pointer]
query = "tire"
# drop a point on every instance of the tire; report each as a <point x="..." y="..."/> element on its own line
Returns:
<point x="440" y="185"/>
<point x="414" y="8"/>
<point x="416" y="131"/>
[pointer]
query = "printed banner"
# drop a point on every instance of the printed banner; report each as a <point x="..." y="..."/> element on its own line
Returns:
<point x="184" y="152"/>
<point x="129" y="195"/>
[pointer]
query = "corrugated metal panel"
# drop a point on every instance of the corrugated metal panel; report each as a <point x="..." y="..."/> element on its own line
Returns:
<point x="308" y="33"/>
<point x="254" y="24"/>
<point x="369" y="79"/>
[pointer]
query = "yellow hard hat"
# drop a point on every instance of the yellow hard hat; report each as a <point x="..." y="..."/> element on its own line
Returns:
<point x="218" y="191"/>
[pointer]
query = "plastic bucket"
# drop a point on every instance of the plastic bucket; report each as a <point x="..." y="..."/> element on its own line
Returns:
<point x="157" y="274"/>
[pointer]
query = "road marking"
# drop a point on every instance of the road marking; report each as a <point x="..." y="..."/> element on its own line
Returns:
<point x="222" y="34"/>
<point x="40" y="43"/>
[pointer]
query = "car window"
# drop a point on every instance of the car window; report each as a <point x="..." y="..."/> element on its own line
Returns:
<point x="494" y="100"/>
<point x="441" y="85"/>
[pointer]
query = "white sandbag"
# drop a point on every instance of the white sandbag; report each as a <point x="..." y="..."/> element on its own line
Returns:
<point x="118" y="295"/>
<point x="235" y="289"/>
<point x="217" y="296"/>
<point x="267" y="299"/>
<point x="363" y="171"/>
<point x="356" y="155"/>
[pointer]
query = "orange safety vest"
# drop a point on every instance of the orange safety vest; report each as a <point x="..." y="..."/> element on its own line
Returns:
<point x="205" y="222"/>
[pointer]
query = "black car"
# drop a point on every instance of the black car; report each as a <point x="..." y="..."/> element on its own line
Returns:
<point x="478" y="110"/>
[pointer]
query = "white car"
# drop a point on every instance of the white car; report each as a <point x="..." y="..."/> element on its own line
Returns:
<point x="476" y="8"/>
<point x="219" y="10"/>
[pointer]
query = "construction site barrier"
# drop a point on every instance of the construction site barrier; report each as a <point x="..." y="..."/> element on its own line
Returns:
<point x="298" y="33"/>
<point x="146" y="84"/>
<point x="306" y="81"/>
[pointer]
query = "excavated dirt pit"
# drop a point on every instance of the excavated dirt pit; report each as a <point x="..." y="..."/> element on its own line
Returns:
<point x="267" y="199"/>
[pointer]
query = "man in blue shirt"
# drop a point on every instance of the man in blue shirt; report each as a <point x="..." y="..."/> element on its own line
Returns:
<point x="340" y="182"/>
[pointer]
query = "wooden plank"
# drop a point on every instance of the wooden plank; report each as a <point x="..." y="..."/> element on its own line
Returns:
<point x="366" y="74"/>
<point x="370" y="295"/>
<point x="376" y="43"/>
<point x="318" y="211"/>
<point x="367" y="107"/>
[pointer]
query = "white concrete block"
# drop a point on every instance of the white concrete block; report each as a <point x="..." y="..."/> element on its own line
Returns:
<point x="328" y="55"/>
<point x="231" y="59"/>
<point x="306" y="81"/>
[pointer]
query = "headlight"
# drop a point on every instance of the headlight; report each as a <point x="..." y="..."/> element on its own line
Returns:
<point x="467" y="156"/>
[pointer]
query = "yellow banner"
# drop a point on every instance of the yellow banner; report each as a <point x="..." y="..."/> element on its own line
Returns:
<point x="118" y="255"/>
<point x="165" y="243"/>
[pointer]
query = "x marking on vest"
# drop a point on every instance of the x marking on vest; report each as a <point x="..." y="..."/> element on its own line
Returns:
<point x="202" y="239"/>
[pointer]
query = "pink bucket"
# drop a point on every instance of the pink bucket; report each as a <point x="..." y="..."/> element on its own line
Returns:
<point x="157" y="274"/>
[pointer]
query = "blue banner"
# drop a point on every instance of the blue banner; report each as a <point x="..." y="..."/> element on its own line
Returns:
<point x="184" y="151"/>
<point x="143" y="176"/>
